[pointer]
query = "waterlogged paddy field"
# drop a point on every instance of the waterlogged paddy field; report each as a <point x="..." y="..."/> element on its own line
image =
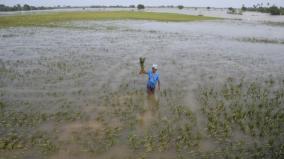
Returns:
<point x="73" y="91"/>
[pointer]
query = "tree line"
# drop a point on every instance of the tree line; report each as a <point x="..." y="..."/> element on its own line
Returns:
<point x="24" y="7"/>
<point x="27" y="7"/>
<point x="273" y="10"/>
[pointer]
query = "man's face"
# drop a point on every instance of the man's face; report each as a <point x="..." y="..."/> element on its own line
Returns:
<point x="154" y="70"/>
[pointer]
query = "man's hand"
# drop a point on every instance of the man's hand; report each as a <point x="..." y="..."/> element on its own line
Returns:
<point x="142" y="72"/>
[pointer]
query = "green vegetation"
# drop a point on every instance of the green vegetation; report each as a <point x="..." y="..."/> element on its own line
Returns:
<point x="140" y="6"/>
<point x="273" y="10"/>
<point x="51" y="18"/>
<point x="26" y="7"/>
<point x="180" y="6"/>
<point x="234" y="11"/>
<point x="142" y="61"/>
<point x="253" y="109"/>
<point x="19" y="7"/>
<point x="19" y="131"/>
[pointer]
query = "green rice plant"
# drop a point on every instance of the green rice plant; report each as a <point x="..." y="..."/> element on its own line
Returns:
<point x="148" y="143"/>
<point x="133" y="141"/>
<point x="10" y="142"/>
<point x="164" y="138"/>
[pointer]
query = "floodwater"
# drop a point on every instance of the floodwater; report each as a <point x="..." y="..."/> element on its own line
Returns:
<point x="92" y="67"/>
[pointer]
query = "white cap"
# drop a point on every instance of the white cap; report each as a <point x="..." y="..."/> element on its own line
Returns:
<point x="155" y="66"/>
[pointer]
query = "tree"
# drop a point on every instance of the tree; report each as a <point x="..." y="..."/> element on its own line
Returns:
<point x="274" y="10"/>
<point x="131" y="6"/>
<point x="140" y="6"/>
<point x="231" y="10"/>
<point x="244" y="8"/>
<point x="26" y="7"/>
<point x="180" y="6"/>
<point x="2" y="7"/>
<point x="208" y="8"/>
<point x="19" y="7"/>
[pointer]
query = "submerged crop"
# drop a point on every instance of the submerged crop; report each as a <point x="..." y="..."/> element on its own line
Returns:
<point x="76" y="93"/>
<point x="252" y="110"/>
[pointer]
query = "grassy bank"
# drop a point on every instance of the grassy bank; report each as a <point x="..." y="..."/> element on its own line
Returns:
<point x="48" y="19"/>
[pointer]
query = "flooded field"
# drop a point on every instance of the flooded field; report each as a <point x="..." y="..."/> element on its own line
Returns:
<point x="74" y="91"/>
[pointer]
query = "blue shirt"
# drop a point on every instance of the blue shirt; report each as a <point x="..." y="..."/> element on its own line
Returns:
<point x="153" y="78"/>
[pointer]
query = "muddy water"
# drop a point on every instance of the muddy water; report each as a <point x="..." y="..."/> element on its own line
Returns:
<point x="89" y="66"/>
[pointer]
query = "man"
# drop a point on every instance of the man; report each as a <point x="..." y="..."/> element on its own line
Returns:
<point x="153" y="79"/>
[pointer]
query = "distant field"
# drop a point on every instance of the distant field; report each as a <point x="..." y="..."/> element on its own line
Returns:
<point x="48" y="19"/>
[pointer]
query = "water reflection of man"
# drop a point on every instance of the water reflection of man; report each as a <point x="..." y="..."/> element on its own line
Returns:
<point x="153" y="79"/>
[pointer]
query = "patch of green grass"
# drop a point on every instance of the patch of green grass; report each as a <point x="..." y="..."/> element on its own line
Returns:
<point x="51" y="18"/>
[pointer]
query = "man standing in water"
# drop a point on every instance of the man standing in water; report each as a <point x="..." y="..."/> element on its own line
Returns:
<point x="153" y="79"/>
